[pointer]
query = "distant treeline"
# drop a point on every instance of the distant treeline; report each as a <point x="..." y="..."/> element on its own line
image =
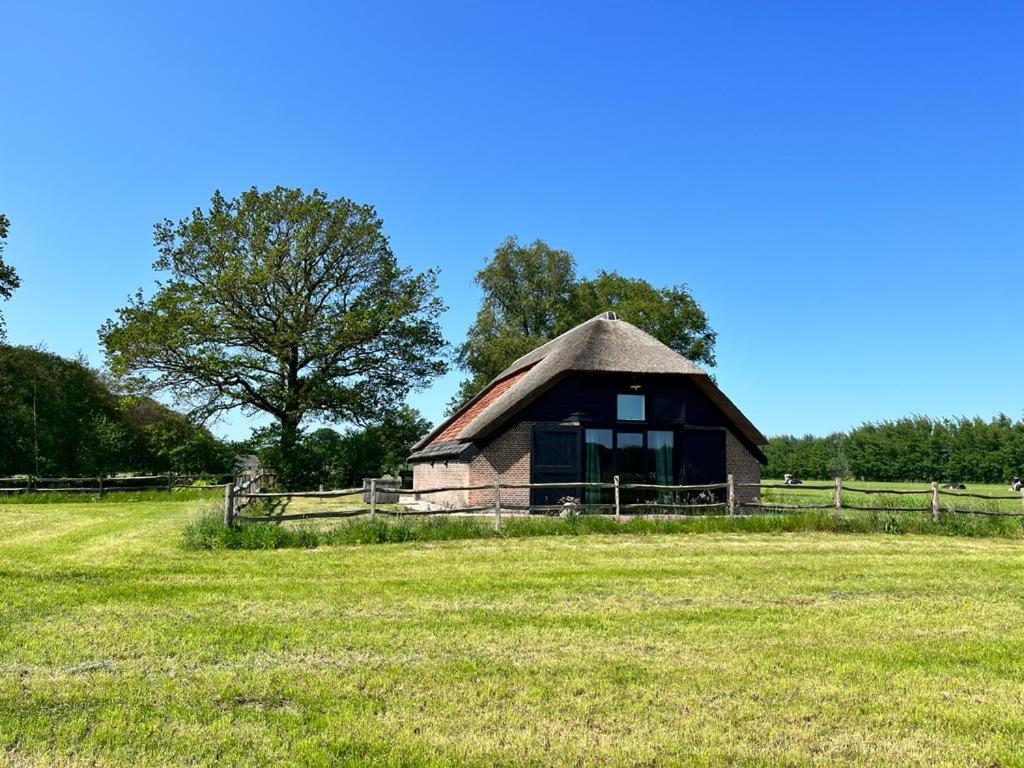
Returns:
<point x="915" y="449"/>
<point x="60" y="418"/>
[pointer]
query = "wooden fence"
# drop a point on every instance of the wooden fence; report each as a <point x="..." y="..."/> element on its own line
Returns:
<point x="705" y="500"/>
<point x="934" y="493"/>
<point x="100" y="485"/>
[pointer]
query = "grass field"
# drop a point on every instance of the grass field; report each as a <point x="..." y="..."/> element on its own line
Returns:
<point x="119" y="647"/>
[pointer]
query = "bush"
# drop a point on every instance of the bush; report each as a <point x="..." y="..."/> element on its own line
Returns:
<point x="209" y="532"/>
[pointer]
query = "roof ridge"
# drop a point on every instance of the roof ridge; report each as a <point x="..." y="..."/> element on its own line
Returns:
<point x="602" y="344"/>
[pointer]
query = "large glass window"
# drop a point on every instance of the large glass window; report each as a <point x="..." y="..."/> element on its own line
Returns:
<point x="661" y="461"/>
<point x="630" y="457"/>
<point x="704" y="456"/>
<point x="598" y="467"/>
<point x="704" y="460"/>
<point x="630" y="408"/>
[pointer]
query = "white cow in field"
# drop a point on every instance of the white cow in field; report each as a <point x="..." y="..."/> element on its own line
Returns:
<point x="1017" y="484"/>
<point x="789" y="479"/>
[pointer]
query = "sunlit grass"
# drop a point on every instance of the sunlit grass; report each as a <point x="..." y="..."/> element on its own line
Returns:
<point x="121" y="647"/>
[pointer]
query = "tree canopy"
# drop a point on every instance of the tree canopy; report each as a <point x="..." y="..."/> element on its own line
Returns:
<point x="62" y="419"/>
<point x="670" y="314"/>
<point x="342" y="460"/>
<point x="9" y="280"/>
<point x="912" y="449"/>
<point x="531" y="294"/>
<point x="283" y="302"/>
<point x="524" y="289"/>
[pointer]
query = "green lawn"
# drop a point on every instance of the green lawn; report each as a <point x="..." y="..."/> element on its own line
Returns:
<point x="119" y="647"/>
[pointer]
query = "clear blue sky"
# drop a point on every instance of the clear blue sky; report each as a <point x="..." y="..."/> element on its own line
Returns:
<point x="840" y="184"/>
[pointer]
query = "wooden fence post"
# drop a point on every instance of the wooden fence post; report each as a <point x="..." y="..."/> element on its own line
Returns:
<point x="373" y="498"/>
<point x="99" y="482"/>
<point x="731" y="494"/>
<point x="1022" y="495"/>
<point x="497" y="503"/>
<point x="837" y="497"/>
<point x="229" y="504"/>
<point x="616" y="481"/>
<point x="935" y="501"/>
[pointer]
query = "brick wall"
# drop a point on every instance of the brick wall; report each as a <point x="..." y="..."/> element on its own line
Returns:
<point x="441" y="475"/>
<point x="743" y="466"/>
<point x="508" y="455"/>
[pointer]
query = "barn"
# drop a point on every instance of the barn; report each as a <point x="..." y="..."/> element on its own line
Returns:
<point x="602" y="399"/>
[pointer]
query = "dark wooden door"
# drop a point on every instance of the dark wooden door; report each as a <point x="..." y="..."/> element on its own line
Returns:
<point x="554" y="458"/>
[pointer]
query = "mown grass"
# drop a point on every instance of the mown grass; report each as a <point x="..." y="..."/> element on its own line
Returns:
<point x="194" y="493"/>
<point x="121" y="647"/>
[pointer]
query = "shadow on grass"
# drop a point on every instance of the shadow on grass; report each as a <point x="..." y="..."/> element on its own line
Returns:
<point x="209" y="532"/>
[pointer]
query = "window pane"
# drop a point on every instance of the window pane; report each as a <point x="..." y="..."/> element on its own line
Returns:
<point x="704" y="456"/>
<point x="630" y="456"/>
<point x="661" y="461"/>
<point x="598" y="449"/>
<point x="704" y="461"/>
<point x="666" y="408"/>
<point x="631" y="408"/>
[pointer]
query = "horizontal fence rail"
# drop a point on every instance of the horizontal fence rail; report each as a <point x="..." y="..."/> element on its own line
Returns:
<point x="934" y="492"/>
<point x="664" y="500"/>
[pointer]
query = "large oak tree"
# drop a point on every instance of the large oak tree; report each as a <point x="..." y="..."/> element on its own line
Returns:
<point x="281" y="302"/>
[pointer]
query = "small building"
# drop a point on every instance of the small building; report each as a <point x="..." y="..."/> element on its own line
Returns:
<point x="602" y="399"/>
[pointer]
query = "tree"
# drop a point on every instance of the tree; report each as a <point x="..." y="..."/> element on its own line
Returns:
<point x="531" y="294"/>
<point x="670" y="315"/>
<point x="380" y="449"/>
<point x="173" y="441"/>
<point x="8" y="277"/>
<point x="343" y="460"/>
<point x="61" y="417"/>
<point x="285" y="303"/>
<point x="524" y="288"/>
<point x="912" y="449"/>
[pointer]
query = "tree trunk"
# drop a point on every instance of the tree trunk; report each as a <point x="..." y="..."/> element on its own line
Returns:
<point x="290" y="473"/>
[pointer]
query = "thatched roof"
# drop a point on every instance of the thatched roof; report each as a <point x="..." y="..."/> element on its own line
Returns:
<point x="604" y="344"/>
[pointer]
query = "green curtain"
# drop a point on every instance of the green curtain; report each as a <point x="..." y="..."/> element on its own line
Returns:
<point x="659" y="446"/>
<point x="597" y="445"/>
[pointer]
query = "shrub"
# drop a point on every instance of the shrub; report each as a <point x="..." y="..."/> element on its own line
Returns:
<point x="209" y="532"/>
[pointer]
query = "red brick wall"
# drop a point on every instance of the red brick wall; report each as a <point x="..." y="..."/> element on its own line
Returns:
<point x="508" y="456"/>
<point x="441" y="475"/>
